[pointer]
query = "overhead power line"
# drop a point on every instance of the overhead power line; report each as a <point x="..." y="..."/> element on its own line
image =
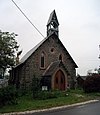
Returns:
<point x="27" y="18"/>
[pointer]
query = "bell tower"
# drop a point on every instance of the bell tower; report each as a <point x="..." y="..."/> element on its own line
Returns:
<point x="52" y="25"/>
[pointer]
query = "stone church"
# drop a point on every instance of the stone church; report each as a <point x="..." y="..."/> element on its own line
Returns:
<point x="48" y="60"/>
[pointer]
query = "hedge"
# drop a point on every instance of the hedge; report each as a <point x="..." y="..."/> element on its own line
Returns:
<point x="92" y="83"/>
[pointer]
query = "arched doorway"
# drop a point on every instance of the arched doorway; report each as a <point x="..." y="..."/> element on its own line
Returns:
<point x="59" y="80"/>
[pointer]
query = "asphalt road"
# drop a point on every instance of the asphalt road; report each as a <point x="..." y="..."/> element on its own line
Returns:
<point x="88" y="109"/>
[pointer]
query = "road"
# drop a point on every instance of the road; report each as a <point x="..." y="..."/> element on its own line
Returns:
<point x="88" y="109"/>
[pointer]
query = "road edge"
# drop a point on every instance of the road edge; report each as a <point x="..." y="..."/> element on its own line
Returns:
<point x="50" y="109"/>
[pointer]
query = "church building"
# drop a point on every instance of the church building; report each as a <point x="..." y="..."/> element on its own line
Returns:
<point x="49" y="60"/>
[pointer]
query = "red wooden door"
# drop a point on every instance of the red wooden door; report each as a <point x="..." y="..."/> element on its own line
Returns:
<point x="59" y="81"/>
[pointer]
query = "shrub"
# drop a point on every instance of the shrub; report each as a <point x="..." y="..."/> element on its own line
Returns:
<point x="43" y="95"/>
<point x="92" y="83"/>
<point x="36" y="86"/>
<point x="8" y="95"/>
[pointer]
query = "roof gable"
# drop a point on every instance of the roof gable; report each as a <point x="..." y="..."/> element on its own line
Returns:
<point x="29" y="53"/>
<point x="53" y="17"/>
<point x="82" y="77"/>
<point x="52" y="67"/>
<point x="68" y="54"/>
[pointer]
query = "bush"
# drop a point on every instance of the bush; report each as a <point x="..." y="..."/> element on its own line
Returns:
<point x="43" y="95"/>
<point x="36" y="86"/>
<point x="8" y="95"/>
<point x="92" y="83"/>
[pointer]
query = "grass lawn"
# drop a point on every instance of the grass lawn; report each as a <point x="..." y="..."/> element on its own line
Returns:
<point x="69" y="97"/>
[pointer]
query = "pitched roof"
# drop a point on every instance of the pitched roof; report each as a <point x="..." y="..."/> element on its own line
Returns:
<point x="53" y="14"/>
<point x="29" y="53"/>
<point x="52" y="67"/>
<point x="82" y="77"/>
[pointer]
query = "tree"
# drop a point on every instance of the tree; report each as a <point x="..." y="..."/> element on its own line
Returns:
<point x="93" y="71"/>
<point x="8" y="48"/>
<point x="92" y="83"/>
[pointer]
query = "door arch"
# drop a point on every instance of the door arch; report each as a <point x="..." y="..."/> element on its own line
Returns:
<point x="59" y="80"/>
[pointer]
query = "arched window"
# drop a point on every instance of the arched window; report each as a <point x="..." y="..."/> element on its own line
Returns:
<point x="60" y="57"/>
<point x="42" y="60"/>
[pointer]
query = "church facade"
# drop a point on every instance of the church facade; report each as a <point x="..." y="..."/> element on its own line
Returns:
<point x="49" y="60"/>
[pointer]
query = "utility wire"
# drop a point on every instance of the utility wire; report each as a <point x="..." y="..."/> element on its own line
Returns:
<point x="27" y="18"/>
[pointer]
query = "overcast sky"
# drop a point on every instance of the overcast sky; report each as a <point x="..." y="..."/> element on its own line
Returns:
<point x="79" y="28"/>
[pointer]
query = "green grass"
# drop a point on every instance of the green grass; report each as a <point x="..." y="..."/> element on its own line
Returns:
<point x="27" y="103"/>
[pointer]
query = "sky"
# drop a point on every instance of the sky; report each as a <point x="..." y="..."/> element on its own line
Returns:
<point x="79" y="28"/>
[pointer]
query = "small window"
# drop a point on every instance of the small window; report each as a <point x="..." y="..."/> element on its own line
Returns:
<point x="60" y="57"/>
<point x="52" y="50"/>
<point x="42" y="60"/>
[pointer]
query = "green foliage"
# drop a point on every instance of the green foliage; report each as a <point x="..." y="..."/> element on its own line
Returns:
<point x="8" y="47"/>
<point x="26" y="102"/>
<point x="43" y="95"/>
<point x="8" y="95"/>
<point x="92" y="83"/>
<point x="36" y="86"/>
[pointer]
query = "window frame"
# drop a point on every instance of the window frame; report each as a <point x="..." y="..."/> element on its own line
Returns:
<point x="42" y="60"/>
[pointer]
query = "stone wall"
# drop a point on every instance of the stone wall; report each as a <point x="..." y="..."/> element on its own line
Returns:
<point x="52" y="49"/>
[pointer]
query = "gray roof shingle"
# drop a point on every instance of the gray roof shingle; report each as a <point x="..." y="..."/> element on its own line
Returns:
<point x="28" y="54"/>
<point x="52" y="68"/>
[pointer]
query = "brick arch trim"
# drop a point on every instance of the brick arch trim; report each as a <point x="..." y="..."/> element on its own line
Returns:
<point x="61" y="77"/>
